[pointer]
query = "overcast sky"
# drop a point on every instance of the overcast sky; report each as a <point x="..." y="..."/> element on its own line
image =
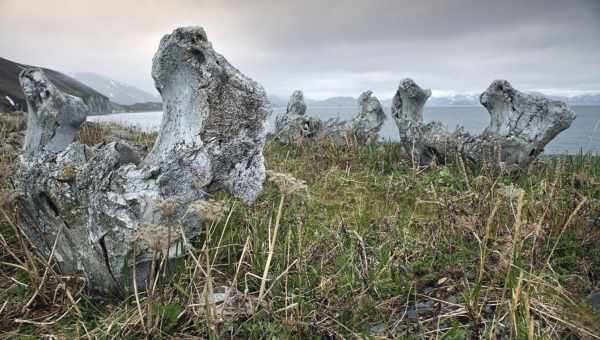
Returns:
<point x="327" y="48"/>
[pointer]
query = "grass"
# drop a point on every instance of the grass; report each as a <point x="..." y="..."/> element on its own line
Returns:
<point x="345" y="242"/>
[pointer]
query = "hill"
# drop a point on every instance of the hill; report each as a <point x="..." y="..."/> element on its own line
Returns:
<point x="12" y="97"/>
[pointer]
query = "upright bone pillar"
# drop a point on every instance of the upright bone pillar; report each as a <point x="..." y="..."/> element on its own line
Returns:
<point x="211" y="105"/>
<point x="296" y="105"/>
<point x="53" y="116"/>
<point x="409" y="102"/>
<point x="407" y="110"/>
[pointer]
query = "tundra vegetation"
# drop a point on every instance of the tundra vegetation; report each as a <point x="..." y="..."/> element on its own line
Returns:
<point x="355" y="241"/>
<point x="347" y="238"/>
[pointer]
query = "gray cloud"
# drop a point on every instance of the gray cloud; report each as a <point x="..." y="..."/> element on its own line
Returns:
<point x="324" y="47"/>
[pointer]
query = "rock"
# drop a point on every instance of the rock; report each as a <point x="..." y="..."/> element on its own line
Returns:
<point x="110" y="213"/>
<point x="521" y="125"/>
<point x="379" y="329"/>
<point x="594" y="300"/>
<point x="295" y="126"/>
<point x="53" y="116"/>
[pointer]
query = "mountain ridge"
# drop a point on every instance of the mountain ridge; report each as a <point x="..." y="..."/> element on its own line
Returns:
<point x="13" y="99"/>
<point x="118" y="92"/>
<point x="449" y="100"/>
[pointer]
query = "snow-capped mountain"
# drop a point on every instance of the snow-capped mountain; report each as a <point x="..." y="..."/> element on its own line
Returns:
<point x="585" y="99"/>
<point x="116" y="91"/>
<point x="471" y="99"/>
<point x="452" y="100"/>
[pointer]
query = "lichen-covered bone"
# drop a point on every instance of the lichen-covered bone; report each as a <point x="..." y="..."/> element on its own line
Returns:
<point x="210" y="106"/>
<point x="295" y="126"/>
<point x="409" y="101"/>
<point x="296" y="105"/>
<point x="521" y="125"/>
<point x="111" y="213"/>
<point x="531" y="121"/>
<point x="53" y="116"/>
<point x="370" y="118"/>
<point x="421" y="140"/>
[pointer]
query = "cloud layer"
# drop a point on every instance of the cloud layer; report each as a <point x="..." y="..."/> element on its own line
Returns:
<point x="327" y="48"/>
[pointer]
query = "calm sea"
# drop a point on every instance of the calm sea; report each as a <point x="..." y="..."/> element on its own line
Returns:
<point x="583" y="135"/>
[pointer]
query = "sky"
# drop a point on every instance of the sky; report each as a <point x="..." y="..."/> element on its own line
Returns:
<point x="326" y="48"/>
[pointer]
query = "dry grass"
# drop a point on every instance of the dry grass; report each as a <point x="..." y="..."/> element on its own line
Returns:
<point x="372" y="247"/>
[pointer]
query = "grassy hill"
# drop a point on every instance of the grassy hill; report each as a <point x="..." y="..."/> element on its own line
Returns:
<point x="346" y="242"/>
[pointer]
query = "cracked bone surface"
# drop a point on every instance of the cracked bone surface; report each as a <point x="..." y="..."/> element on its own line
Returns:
<point x="295" y="126"/>
<point x="521" y="125"/>
<point x="108" y="215"/>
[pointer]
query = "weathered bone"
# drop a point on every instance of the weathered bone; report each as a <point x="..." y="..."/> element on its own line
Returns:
<point x="521" y="125"/>
<point x="370" y="118"/>
<point x="296" y="105"/>
<point x="211" y="106"/>
<point x="295" y="126"/>
<point x="409" y="101"/>
<point x="109" y="216"/>
<point x="422" y="141"/>
<point x="53" y="116"/>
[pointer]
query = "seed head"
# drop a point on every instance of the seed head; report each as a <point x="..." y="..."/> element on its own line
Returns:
<point x="287" y="183"/>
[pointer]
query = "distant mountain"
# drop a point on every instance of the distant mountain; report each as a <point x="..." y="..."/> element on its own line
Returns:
<point x="473" y="99"/>
<point x="13" y="99"/>
<point x="450" y="100"/>
<point x="139" y="107"/>
<point x="117" y="92"/>
<point x="454" y="100"/>
<point x="333" y="102"/>
<point x="277" y="101"/>
<point x="586" y="99"/>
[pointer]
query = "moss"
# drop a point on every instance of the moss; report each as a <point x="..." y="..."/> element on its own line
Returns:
<point x="68" y="173"/>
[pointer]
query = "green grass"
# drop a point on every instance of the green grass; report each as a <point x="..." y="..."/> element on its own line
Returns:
<point x="377" y="248"/>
